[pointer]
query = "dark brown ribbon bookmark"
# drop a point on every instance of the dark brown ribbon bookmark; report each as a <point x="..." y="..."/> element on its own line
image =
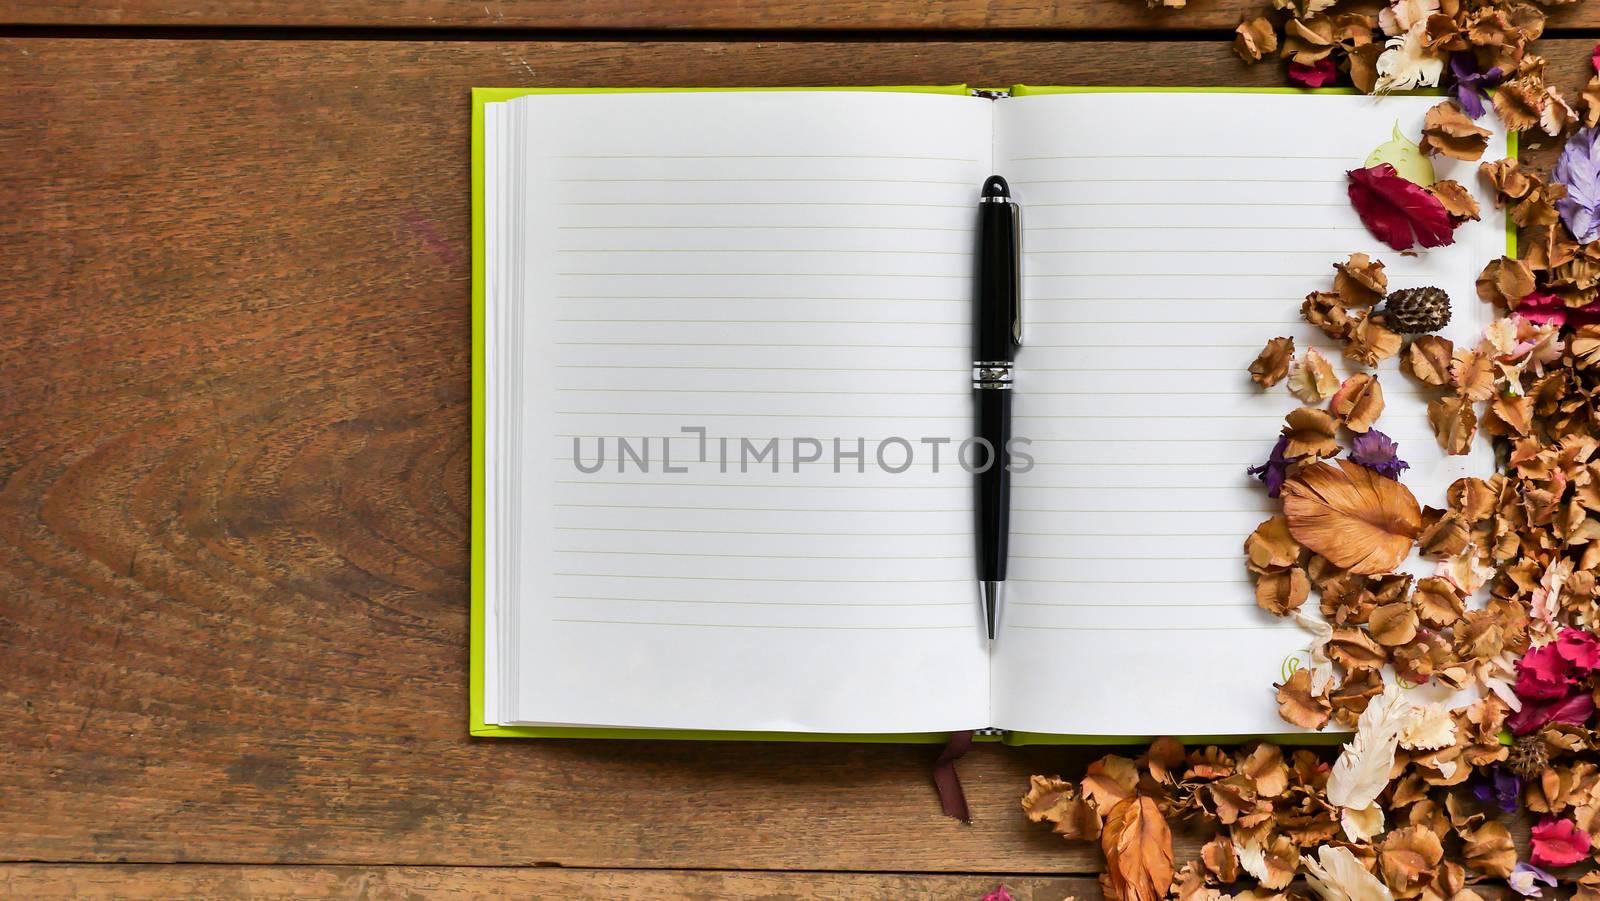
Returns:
<point x="952" y="799"/>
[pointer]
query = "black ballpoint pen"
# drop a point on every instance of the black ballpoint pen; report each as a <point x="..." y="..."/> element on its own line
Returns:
<point x="996" y="335"/>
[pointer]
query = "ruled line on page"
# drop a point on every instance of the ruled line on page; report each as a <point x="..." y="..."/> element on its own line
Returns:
<point x="871" y="557"/>
<point x="629" y="622"/>
<point x="746" y="179"/>
<point x="911" y="604"/>
<point x="767" y="322"/>
<point x="689" y="203"/>
<point x="774" y="392"/>
<point x="669" y="483"/>
<point x="762" y="156"/>
<point x="1290" y="627"/>
<point x="684" y="366"/>
<point x="964" y="276"/>
<point x="1245" y="606"/>
<point x="1183" y="156"/>
<point x="702" y="344"/>
<point x="804" y="297"/>
<point x="764" y="509"/>
<point x="725" y="250"/>
<point x="1181" y="181"/>
<point x="760" y="579"/>
<point x="671" y="226"/>
<point x="829" y="534"/>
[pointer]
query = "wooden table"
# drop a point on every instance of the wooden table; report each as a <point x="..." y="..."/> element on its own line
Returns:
<point x="234" y="455"/>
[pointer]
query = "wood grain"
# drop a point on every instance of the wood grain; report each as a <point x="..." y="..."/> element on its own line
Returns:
<point x="795" y="15"/>
<point x="161" y="882"/>
<point x="233" y="476"/>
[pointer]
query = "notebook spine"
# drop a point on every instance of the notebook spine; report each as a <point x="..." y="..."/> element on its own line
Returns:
<point x="989" y="731"/>
<point x="992" y="94"/>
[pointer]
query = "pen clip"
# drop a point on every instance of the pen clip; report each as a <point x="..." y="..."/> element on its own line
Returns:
<point x="1016" y="273"/>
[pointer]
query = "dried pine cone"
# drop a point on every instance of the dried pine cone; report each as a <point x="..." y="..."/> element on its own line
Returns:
<point x="1414" y="310"/>
<point x="1529" y="756"/>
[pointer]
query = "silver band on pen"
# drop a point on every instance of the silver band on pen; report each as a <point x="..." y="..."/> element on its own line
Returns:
<point x="992" y="375"/>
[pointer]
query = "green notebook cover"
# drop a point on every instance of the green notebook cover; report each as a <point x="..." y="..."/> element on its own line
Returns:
<point x="476" y="724"/>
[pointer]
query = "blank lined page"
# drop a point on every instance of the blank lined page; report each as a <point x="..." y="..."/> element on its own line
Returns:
<point x="1167" y="237"/>
<point x="786" y="276"/>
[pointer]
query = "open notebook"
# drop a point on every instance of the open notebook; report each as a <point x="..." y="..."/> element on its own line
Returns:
<point x="770" y="280"/>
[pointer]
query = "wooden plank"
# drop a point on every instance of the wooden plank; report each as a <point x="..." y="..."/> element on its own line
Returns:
<point x="156" y="882"/>
<point x="233" y="482"/>
<point x="805" y="15"/>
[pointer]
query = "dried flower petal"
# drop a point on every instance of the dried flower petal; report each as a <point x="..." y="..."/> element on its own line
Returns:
<point x="1447" y="130"/>
<point x="1272" y="364"/>
<point x="1454" y="423"/>
<point x="1579" y="170"/>
<point x="1311" y="378"/>
<point x="1138" y="848"/>
<point x="1457" y="200"/>
<point x="1299" y="705"/>
<point x="1360" y="281"/>
<point x="1354" y="517"/>
<point x="1559" y="843"/>
<point x="1398" y="212"/>
<point x="1489" y="850"/>
<point x="1310" y="433"/>
<point x="1379" y="453"/>
<point x="1407" y="64"/>
<point x="1276" y="469"/>
<point x="1427" y="359"/>
<point x="1362" y="771"/>
<point x="1505" y="282"/>
<point x="1408" y="859"/>
<point x="1358" y="402"/>
<point x="1254" y="38"/>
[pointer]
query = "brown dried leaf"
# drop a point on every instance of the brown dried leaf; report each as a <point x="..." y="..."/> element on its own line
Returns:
<point x="1297" y="705"/>
<point x="1393" y="625"/>
<point x="1109" y="781"/>
<point x="1590" y="95"/>
<point x="1505" y="282"/>
<point x="1138" y="848"/>
<point x="1360" y="281"/>
<point x="1457" y="200"/>
<point x="1272" y="364"/>
<point x="1355" y="650"/>
<point x="1254" y="38"/>
<point x="1311" y="378"/>
<point x="1281" y="593"/>
<point x="1218" y="859"/>
<point x="1408" y="859"/>
<point x="1427" y="360"/>
<point x="1472" y="374"/>
<point x="1271" y="547"/>
<point x="1358" y="402"/>
<point x="1369" y="341"/>
<point x="1310" y="432"/>
<point x="1454" y="423"/>
<point x="1447" y="130"/>
<point x="1510" y="416"/>
<point x="1354" y="517"/>
<point x="1489" y="850"/>
<point x="1047" y="796"/>
<point x="1439" y="604"/>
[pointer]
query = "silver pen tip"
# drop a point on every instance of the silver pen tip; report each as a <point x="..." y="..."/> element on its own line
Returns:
<point x="991" y="593"/>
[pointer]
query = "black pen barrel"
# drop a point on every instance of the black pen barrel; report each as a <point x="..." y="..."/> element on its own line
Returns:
<point x="993" y="485"/>
<point x="994" y="326"/>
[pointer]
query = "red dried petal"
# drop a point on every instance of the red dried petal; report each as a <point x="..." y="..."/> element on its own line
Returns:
<point x="1398" y="212"/>
<point x="1559" y="843"/>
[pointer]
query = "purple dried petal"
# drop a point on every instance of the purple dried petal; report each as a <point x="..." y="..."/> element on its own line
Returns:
<point x="1379" y="453"/>
<point x="1579" y="169"/>
<point x="1524" y="877"/>
<point x="1276" y="469"/>
<point x="1470" y="85"/>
